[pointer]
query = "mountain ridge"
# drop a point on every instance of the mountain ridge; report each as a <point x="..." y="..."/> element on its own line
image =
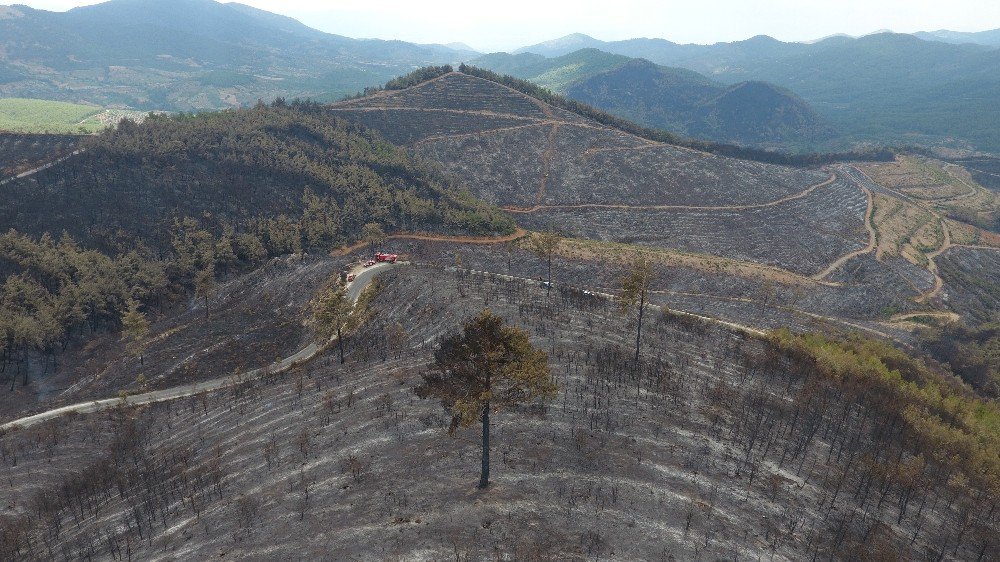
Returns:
<point x="866" y="87"/>
<point x="674" y="99"/>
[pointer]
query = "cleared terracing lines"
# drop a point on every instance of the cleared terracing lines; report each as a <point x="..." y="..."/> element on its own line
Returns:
<point x="556" y="169"/>
<point x="915" y="228"/>
<point x="800" y="195"/>
<point x="803" y="234"/>
<point x="489" y="135"/>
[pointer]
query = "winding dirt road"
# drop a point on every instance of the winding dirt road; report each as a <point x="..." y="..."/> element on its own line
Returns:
<point x="354" y="290"/>
<point x="793" y="197"/>
<point x="45" y="166"/>
<point x="872" y="240"/>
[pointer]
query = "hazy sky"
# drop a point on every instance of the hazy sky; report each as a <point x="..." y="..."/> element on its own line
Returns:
<point x="506" y="24"/>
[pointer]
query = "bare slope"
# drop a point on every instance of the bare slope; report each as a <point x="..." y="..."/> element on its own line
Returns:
<point x="518" y="152"/>
<point x="715" y="449"/>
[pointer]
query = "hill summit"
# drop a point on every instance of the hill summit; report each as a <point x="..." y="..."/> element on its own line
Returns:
<point x="684" y="102"/>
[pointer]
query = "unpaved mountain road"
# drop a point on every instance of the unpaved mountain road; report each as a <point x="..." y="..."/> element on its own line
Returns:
<point x="34" y="171"/>
<point x="793" y="197"/>
<point x="354" y="289"/>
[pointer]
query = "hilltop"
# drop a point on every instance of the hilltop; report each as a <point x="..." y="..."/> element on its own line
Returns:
<point x="719" y="444"/>
<point x="673" y="99"/>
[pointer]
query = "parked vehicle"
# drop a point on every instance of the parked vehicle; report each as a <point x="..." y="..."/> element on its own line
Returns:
<point x="381" y="257"/>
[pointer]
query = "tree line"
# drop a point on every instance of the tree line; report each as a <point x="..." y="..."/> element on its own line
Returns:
<point x="418" y="76"/>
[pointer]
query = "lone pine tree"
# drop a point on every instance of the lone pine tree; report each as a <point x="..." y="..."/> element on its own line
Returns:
<point x="544" y="245"/>
<point x="634" y="287"/>
<point x="135" y="330"/>
<point x="488" y="367"/>
<point x="330" y="312"/>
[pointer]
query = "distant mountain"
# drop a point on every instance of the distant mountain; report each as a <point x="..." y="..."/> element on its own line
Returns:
<point x="553" y="73"/>
<point x="678" y="100"/>
<point x="885" y="87"/>
<point x="989" y="38"/>
<point x="190" y="54"/>
<point x="563" y="45"/>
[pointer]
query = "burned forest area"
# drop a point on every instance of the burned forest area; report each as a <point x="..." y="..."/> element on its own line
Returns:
<point x="716" y="445"/>
<point x="259" y="334"/>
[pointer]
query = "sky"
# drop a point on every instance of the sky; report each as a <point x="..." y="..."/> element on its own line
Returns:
<point x="508" y="24"/>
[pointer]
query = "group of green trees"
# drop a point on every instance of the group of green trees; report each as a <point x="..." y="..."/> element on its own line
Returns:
<point x="952" y="434"/>
<point x="658" y="135"/>
<point x="53" y="289"/>
<point x="418" y="76"/>
<point x="247" y="169"/>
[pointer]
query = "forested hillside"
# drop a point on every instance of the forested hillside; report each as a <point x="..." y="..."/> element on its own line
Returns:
<point x="189" y="54"/>
<point x="263" y="170"/>
<point x="146" y="212"/>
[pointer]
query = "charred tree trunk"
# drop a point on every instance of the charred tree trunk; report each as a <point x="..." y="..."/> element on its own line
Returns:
<point x="638" y="332"/>
<point x="484" y="474"/>
<point x="340" y="342"/>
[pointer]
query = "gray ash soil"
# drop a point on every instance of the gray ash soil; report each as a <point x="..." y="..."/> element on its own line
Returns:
<point x="867" y="293"/>
<point x="344" y="462"/>
<point x="972" y="282"/>
<point x="802" y="235"/>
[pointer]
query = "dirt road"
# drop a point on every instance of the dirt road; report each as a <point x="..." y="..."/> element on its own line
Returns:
<point x="872" y="239"/>
<point x="793" y="197"/>
<point x="354" y="290"/>
<point x="34" y="171"/>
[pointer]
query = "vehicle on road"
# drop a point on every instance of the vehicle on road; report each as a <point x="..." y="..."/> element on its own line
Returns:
<point x="369" y="263"/>
<point x="382" y="257"/>
<point x="351" y="277"/>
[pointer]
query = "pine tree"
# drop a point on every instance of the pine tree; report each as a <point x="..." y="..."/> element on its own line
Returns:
<point x="489" y="367"/>
<point x="135" y="330"/>
<point x="544" y="245"/>
<point x="330" y="313"/>
<point x="634" y="288"/>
